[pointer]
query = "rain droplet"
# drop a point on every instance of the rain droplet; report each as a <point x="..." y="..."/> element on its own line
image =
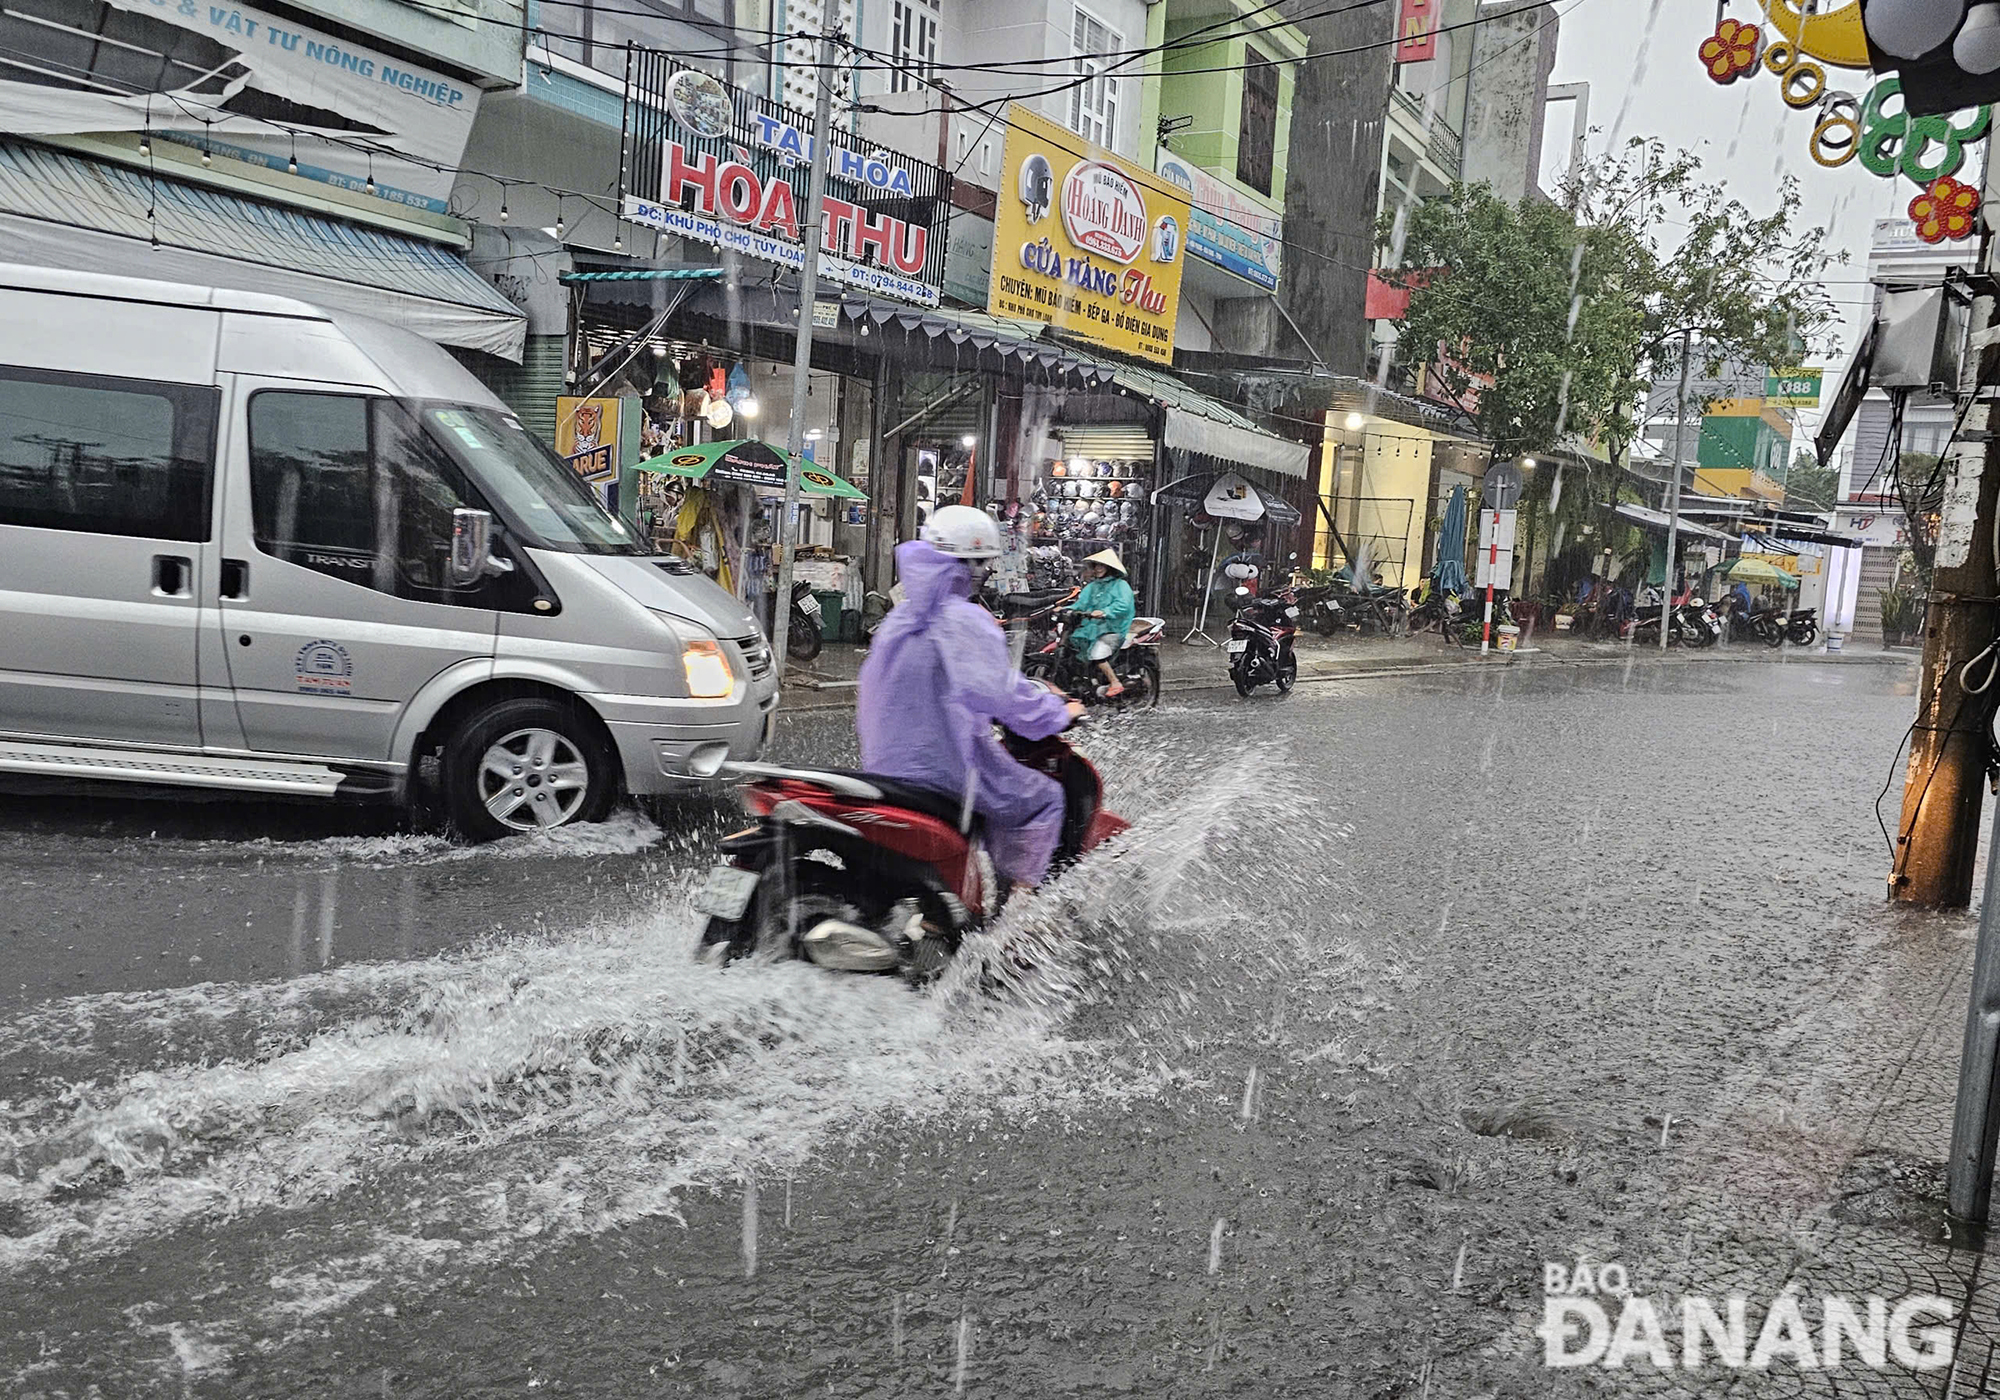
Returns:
<point x="964" y="1351"/>
<point x="1215" y="1247"/>
<point x="749" y="1226"/>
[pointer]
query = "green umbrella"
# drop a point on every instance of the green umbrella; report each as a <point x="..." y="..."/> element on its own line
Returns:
<point x="748" y="462"/>
<point x="1759" y="571"/>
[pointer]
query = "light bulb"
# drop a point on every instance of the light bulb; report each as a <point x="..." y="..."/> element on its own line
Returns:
<point x="559" y="226"/>
<point x="1977" y="47"/>
<point x="292" y="166"/>
<point x="503" y="212"/>
<point x="1354" y="422"/>
<point x="1528" y="462"/>
<point x="750" y="408"/>
<point x="205" y="160"/>
<point x="145" y="145"/>
<point x="968" y="440"/>
<point x="1909" y="29"/>
<point x="371" y="182"/>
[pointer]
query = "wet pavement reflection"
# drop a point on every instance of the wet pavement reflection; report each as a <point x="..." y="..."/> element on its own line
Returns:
<point x="1403" y="991"/>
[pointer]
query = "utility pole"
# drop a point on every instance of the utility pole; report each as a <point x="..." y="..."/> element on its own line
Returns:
<point x="1944" y="785"/>
<point x="795" y="442"/>
<point x="1942" y="788"/>
<point x="1674" y="488"/>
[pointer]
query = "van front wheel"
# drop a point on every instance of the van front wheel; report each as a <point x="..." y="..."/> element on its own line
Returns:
<point x="524" y="765"/>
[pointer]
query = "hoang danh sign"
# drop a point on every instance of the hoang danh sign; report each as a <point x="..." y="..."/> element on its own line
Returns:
<point x="1086" y="242"/>
<point x="729" y="168"/>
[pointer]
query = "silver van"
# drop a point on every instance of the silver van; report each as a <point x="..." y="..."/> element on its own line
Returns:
<point x="252" y="545"/>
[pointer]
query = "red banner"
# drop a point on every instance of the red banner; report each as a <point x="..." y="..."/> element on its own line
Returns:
<point x="1416" y="31"/>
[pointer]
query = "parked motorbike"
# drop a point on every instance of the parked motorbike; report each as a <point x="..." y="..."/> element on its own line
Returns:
<point x="1801" y="628"/>
<point x="1136" y="664"/>
<point x="1375" y="609"/>
<point x="1260" y="641"/>
<point x="861" y="873"/>
<point x="1690" y="621"/>
<point x="1320" y="609"/>
<point x="804" y="640"/>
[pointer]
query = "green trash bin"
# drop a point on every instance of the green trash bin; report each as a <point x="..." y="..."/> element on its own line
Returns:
<point x="833" y="623"/>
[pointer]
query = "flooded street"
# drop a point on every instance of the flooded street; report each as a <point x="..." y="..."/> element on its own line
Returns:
<point x="1399" y="991"/>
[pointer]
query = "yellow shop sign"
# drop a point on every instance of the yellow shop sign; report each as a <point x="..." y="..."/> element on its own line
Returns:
<point x="1086" y="242"/>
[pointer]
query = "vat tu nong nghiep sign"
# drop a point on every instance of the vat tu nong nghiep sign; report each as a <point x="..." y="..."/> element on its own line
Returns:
<point x="729" y="169"/>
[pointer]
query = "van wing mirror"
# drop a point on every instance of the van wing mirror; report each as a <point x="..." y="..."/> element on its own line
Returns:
<point x="472" y="548"/>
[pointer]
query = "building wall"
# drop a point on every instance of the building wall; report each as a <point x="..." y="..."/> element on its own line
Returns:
<point x="1339" y="108"/>
<point x="486" y="42"/>
<point x="1513" y="53"/>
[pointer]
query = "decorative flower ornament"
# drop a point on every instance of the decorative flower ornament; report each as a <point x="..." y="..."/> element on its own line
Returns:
<point x="1947" y="208"/>
<point x="1731" y="51"/>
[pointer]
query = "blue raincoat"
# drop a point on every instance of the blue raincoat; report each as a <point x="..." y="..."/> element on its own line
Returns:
<point x="936" y="679"/>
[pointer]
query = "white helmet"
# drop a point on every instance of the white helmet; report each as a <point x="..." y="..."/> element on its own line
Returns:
<point x="964" y="532"/>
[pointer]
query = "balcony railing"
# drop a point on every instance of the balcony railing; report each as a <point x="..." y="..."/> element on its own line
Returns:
<point x="1441" y="143"/>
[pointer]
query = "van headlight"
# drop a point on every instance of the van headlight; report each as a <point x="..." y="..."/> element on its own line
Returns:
<point x="708" y="674"/>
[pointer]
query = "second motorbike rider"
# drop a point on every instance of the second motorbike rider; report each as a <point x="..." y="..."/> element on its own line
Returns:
<point x="1104" y="609"/>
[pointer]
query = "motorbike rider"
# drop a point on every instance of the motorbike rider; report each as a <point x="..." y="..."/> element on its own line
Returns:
<point x="938" y="678"/>
<point x="1104" y="609"/>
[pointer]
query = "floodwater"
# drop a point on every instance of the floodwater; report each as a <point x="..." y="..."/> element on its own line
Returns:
<point x="1397" y="991"/>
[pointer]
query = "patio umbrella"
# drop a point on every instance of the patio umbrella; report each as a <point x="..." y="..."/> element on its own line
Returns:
<point x="1758" y="571"/>
<point x="1449" y="571"/>
<point x="1226" y="496"/>
<point x="748" y="462"/>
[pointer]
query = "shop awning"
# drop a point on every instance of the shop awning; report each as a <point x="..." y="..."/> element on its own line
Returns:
<point x="1657" y="521"/>
<point x="60" y="210"/>
<point x="1197" y="423"/>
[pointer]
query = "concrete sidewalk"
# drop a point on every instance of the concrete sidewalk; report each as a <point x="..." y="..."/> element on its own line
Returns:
<point x="829" y="680"/>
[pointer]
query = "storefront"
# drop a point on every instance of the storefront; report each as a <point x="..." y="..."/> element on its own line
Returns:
<point x="257" y="183"/>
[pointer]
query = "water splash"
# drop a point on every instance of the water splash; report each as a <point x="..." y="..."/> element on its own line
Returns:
<point x="514" y="1095"/>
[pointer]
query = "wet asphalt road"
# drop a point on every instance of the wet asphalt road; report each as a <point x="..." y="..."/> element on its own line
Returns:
<point x="1404" y="988"/>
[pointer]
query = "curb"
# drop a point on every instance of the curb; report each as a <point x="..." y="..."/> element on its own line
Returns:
<point x="816" y="698"/>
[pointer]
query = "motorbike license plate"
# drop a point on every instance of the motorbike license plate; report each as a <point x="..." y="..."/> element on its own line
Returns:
<point x="726" y="894"/>
<point x="809" y="605"/>
<point x="1239" y="646"/>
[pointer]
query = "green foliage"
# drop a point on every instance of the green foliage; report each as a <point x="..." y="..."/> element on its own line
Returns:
<point x="1901" y="609"/>
<point x="1809" y="486"/>
<point x="1574" y="309"/>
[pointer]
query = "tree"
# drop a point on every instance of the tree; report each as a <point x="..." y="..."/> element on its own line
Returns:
<point x="1551" y="321"/>
<point x="1809" y="486"/>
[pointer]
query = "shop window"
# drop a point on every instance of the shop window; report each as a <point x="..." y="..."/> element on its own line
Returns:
<point x="1093" y="102"/>
<point x="353" y="488"/>
<point x="105" y="456"/>
<point x="913" y="35"/>
<point x="1257" y="142"/>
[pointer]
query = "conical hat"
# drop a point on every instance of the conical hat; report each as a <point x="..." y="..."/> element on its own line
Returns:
<point x="1110" y="560"/>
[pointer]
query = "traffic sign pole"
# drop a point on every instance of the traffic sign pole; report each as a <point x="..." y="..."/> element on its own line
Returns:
<point x="1492" y="567"/>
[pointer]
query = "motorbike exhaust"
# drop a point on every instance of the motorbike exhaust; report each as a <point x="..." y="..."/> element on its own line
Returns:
<point x="840" y="946"/>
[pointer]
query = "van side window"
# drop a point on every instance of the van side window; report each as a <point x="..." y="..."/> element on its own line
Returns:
<point x="351" y="486"/>
<point x="106" y="456"/>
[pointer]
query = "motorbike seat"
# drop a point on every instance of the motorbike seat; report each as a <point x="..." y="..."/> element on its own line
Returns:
<point x="927" y="802"/>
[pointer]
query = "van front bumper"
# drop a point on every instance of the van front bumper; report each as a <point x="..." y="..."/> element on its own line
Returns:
<point x="670" y="745"/>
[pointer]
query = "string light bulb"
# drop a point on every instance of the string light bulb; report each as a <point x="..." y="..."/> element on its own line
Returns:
<point x="371" y="172"/>
<point x="292" y="163"/>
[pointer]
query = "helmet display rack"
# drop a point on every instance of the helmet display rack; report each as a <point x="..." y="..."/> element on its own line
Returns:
<point x="1083" y="505"/>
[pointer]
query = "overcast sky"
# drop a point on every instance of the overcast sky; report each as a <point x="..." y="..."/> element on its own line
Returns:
<point x="1660" y="89"/>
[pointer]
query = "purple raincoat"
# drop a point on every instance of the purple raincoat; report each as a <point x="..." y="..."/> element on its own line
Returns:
<point x="936" y="679"/>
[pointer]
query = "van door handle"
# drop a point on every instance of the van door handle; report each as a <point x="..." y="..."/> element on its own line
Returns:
<point x="173" y="576"/>
<point x="235" y="578"/>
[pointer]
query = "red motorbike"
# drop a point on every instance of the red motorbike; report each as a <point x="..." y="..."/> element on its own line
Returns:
<point x="861" y="873"/>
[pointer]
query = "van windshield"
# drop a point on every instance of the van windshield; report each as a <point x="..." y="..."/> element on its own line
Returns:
<point x="531" y="488"/>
